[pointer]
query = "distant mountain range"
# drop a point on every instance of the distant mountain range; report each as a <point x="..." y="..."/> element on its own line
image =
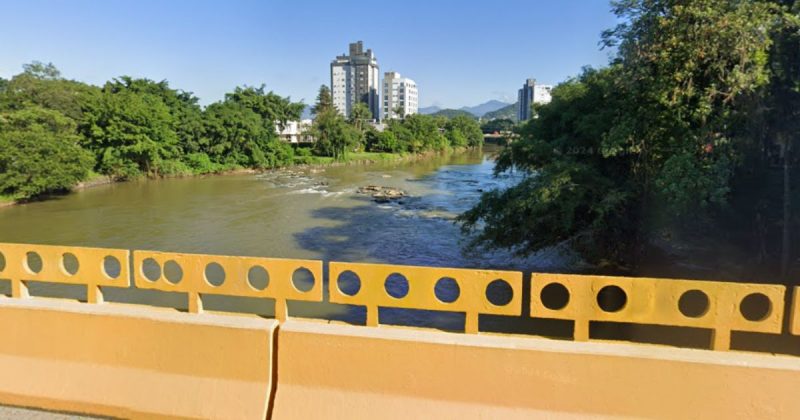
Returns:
<point x="482" y="109"/>
<point x="429" y="110"/>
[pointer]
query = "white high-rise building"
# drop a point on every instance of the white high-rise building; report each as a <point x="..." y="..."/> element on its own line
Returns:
<point x="355" y="78"/>
<point x="399" y="94"/>
<point x="531" y="93"/>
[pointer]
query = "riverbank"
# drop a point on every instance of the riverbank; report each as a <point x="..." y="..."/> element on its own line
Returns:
<point x="308" y="162"/>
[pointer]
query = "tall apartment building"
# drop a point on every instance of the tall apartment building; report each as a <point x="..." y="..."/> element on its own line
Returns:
<point x="399" y="94"/>
<point x="531" y="93"/>
<point x="355" y="78"/>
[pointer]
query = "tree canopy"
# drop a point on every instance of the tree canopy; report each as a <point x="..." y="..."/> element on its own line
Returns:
<point x="56" y="131"/>
<point x="665" y="133"/>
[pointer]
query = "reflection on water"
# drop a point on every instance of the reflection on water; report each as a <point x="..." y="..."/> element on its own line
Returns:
<point x="314" y="214"/>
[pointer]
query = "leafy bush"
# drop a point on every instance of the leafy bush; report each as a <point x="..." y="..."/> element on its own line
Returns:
<point x="39" y="153"/>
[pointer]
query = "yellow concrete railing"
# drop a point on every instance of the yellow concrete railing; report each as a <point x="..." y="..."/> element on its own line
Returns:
<point x="93" y="267"/>
<point x="718" y="306"/>
<point x="794" y="327"/>
<point x="721" y="307"/>
<point x="198" y="274"/>
<point x="426" y="288"/>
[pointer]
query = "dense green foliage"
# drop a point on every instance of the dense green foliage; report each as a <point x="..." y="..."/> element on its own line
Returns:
<point x="54" y="131"/>
<point x="39" y="153"/>
<point x="685" y="111"/>
<point x="498" y="125"/>
<point x="416" y="133"/>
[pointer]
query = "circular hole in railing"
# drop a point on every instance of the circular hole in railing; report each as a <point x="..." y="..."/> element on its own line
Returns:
<point x="303" y="279"/>
<point x="755" y="307"/>
<point x="70" y="264"/>
<point x="33" y="262"/>
<point x="2" y="262"/>
<point x="499" y="292"/>
<point x="396" y="285"/>
<point x="554" y="296"/>
<point x="151" y="270"/>
<point x="215" y="274"/>
<point x="447" y="290"/>
<point x="611" y="298"/>
<point x="173" y="272"/>
<point x="693" y="303"/>
<point x="112" y="267"/>
<point x="348" y="283"/>
<point x="258" y="277"/>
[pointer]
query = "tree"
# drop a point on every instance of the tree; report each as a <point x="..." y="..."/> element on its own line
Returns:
<point x="498" y="125"/>
<point x="236" y="136"/>
<point x="570" y="191"/>
<point x="359" y="116"/>
<point x="324" y="101"/>
<point x="397" y="112"/>
<point x="39" y="153"/>
<point x="187" y="116"/>
<point x="782" y="103"/>
<point x="424" y="133"/>
<point x="42" y="85"/>
<point x="463" y="131"/>
<point x="334" y="136"/>
<point x="241" y="129"/>
<point x="685" y="66"/>
<point x="272" y="108"/>
<point x="39" y="70"/>
<point x="383" y="141"/>
<point x="131" y="133"/>
<point x="652" y="135"/>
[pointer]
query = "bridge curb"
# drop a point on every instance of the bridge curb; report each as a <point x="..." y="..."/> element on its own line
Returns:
<point x="123" y="360"/>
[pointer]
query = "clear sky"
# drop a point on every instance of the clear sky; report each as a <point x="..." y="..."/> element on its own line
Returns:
<point x="460" y="52"/>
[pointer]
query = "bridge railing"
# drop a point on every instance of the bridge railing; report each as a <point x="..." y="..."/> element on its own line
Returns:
<point x="473" y="292"/>
<point x="92" y="267"/>
<point x="721" y="307"/>
<point x="198" y="274"/>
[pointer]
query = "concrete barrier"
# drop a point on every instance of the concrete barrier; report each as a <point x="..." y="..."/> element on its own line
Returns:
<point x="329" y="371"/>
<point x="128" y="361"/>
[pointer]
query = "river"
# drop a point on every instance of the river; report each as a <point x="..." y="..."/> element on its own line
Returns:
<point x="292" y="213"/>
<point x="316" y="214"/>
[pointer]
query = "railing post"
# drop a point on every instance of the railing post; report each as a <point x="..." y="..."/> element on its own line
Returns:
<point x="471" y="323"/>
<point x="195" y="303"/>
<point x="94" y="294"/>
<point x="581" y="330"/>
<point x="721" y="339"/>
<point x="281" y="310"/>
<point x="372" y="316"/>
<point x="19" y="289"/>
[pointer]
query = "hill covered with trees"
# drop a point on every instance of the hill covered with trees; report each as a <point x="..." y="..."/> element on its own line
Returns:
<point x="507" y="112"/>
<point x="450" y="113"/>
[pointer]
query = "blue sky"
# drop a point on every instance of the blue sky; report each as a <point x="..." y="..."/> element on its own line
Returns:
<point x="460" y="52"/>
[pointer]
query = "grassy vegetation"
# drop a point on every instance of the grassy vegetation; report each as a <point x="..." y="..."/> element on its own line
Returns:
<point x="350" y="157"/>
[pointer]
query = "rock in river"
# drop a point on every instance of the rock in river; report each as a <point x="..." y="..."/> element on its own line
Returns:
<point x="382" y="194"/>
